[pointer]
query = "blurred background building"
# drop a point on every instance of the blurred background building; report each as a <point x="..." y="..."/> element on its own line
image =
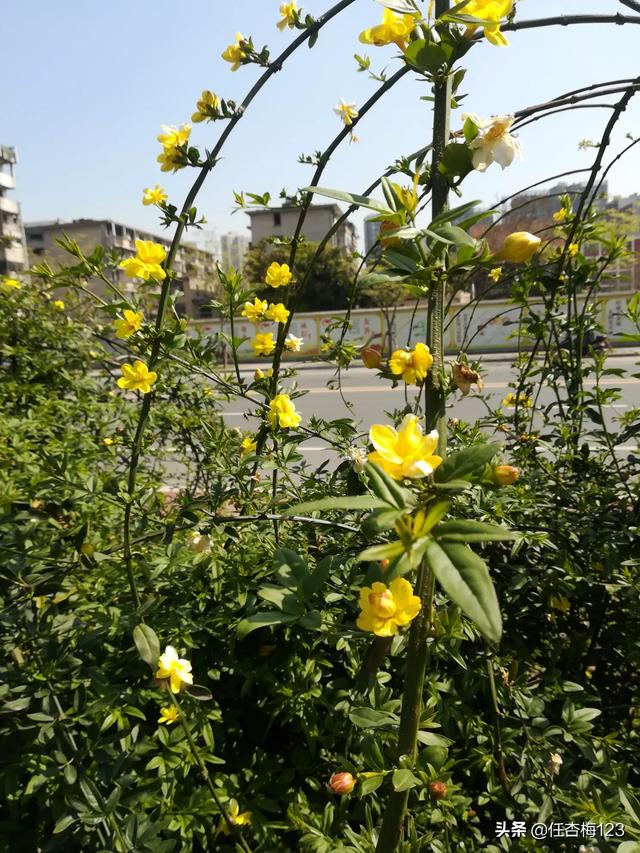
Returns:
<point x="13" y="253"/>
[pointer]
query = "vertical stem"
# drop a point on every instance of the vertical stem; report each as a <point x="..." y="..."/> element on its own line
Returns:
<point x="435" y="418"/>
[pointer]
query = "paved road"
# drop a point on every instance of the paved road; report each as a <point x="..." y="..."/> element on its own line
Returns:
<point x="372" y="396"/>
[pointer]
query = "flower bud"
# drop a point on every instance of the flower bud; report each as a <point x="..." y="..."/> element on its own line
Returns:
<point x="342" y="783"/>
<point x="88" y="549"/>
<point x="384" y="564"/>
<point x="519" y="247"/>
<point x="438" y="790"/>
<point x="386" y="226"/>
<point x="371" y="357"/>
<point x="505" y="475"/>
<point x="258" y="374"/>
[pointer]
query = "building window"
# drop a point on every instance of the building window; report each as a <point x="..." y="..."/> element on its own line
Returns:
<point x="277" y="219"/>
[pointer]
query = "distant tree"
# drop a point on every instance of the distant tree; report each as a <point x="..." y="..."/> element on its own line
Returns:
<point x="328" y="286"/>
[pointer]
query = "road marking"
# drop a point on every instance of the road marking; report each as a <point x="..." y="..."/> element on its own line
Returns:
<point x="235" y="414"/>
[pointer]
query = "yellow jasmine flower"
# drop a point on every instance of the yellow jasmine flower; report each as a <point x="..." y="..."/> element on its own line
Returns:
<point x="560" y="215"/>
<point x="137" y="377"/>
<point x="277" y="312"/>
<point x="207" y="107"/>
<point x="155" y="195"/>
<point x="505" y="475"/>
<point x="405" y="452"/>
<point x="278" y="275"/>
<point x="172" y="139"/>
<point x="293" y="344"/>
<point x="177" y="670"/>
<point x="494" y="11"/>
<point x="282" y="412"/>
<point x="519" y="247"/>
<point x="249" y="445"/>
<point x="394" y="29"/>
<point x="263" y="343"/>
<point x="255" y="311"/>
<point x="289" y="14"/>
<point x="169" y="715"/>
<point x="573" y="249"/>
<point x="347" y="112"/>
<point x="146" y="262"/>
<point x="200" y="543"/>
<point x="128" y="324"/>
<point x="107" y="441"/>
<point x="412" y="366"/>
<point x="237" y="819"/>
<point x="496" y="274"/>
<point x="522" y="400"/>
<point x="9" y="284"/>
<point x="235" y="53"/>
<point x="59" y="305"/>
<point x="385" y="608"/>
<point x="494" y="143"/>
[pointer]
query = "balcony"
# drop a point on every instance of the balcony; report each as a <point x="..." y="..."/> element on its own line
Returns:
<point x="7" y="181"/>
<point x="9" y="206"/>
<point x="14" y="255"/>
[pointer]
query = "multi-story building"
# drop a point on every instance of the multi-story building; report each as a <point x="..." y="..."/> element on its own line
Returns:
<point x="13" y="254"/>
<point x="195" y="268"/>
<point x="233" y="248"/>
<point x="371" y="233"/>
<point x="320" y="218"/>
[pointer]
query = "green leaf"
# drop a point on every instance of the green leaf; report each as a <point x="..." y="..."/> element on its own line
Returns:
<point x="147" y="644"/>
<point x="372" y="753"/>
<point x="464" y="577"/>
<point x="436" y="513"/>
<point x="369" y="782"/>
<point x="281" y="597"/>
<point x="64" y="823"/>
<point x="460" y="465"/>
<point x="369" y="718"/>
<point x="360" y="502"/>
<point x="403" y="780"/>
<point x="457" y="160"/>
<point x="351" y="198"/>
<point x="381" y="520"/>
<point x="291" y="569"/>
<point x="312" y="620"/>
<point x="386" y="488"/>
<point x="261" y="619"/>
<point x="432" y="739"/>
<point x="467" y="530"/>
<point x="197" y="691"/>
<point x="427" y="56"/>
<point x="314" y="581"/>
<point x="381" y="552"/>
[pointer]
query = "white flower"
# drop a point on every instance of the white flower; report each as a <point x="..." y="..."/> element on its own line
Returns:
<point x="199" y="543"/>
<point x="347" y="112"/>
<point x="493" y="143"/>
<point x="293" y="344"/>
<point x="358" y="457"/>
<point x="555" y="763"/>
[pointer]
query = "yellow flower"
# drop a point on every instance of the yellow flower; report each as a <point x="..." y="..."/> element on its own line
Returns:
<point x="9" y="284"/>
<point x="519" y="247"/>
<point x="394" y="29"/>
<point x="496" y="274"/>
<point x="282" y="412"/>
<point x="405" y="452"/>
<point x="385" y="608"/>
<point x="249" y="445"/>
<point x="263" y="343"/>
<point x="155" y="195"/>
<point x="505" y="475"/>
<point x="494" y="11"/>
<point x="207" y="107"/>
<point x="237" y="819"/>
<point x="278" y="275"/>
<point x="146" y="263"/>
<point x="494" y="143"/>
<point x="560" y="215"/>
<point x="200" y="543"/>
<point x="255" y="311"/>
<point x="347" y="112"/>
<point x="522" y="400"/>
<point x="169" y="715"/>
<point x="235" y="53"/>
<point x="128" y="324"/>
<point x="573" y="249"/>
<point x="277" y="312"/>
<point x="177" y="670"/>
<point x="107" y="441"/>
<point x="412" y="366"/>
<point x="172" y="139"/>
<point x="293" y="344"/>
<point x="289" y="14"/>
<point x="137" y="377"/>
<point x="58" y="305"/>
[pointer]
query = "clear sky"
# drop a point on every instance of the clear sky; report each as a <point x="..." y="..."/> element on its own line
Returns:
<point x="87" y="84"/>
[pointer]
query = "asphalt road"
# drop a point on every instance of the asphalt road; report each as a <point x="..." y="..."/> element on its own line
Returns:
<point x="372" y="396"/>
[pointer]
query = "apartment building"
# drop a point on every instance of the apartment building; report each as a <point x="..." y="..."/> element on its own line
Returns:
<point x="195" y="269"/>
<point x="320" y="218"/>
<point x="13" y="254"/>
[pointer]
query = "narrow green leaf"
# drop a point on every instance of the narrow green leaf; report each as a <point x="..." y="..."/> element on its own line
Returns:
<point x="359" y="502"/>
<point x="369" y="718"/>
<point x="197" y="691"/>
<point x="465" y="462"/>
<point x="261" y="620"/>
<point x="147" y="644"/>
<point x="381" y="552"/>
<point x="350" y="198"/>
<point x="64" y="823"/>
<point x="467" y="530"/>
<point x="369" y="782"/>
<point x="464" y="577"/>
<point x="403" y="780"/>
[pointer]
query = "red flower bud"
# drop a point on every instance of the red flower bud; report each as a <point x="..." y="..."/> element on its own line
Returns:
<point x="342" y="783"/>
<point x="438" y="790"/>
<point x="371" y="357"/>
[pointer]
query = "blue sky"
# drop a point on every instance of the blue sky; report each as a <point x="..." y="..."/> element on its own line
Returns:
<point x="87" y="85"/>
